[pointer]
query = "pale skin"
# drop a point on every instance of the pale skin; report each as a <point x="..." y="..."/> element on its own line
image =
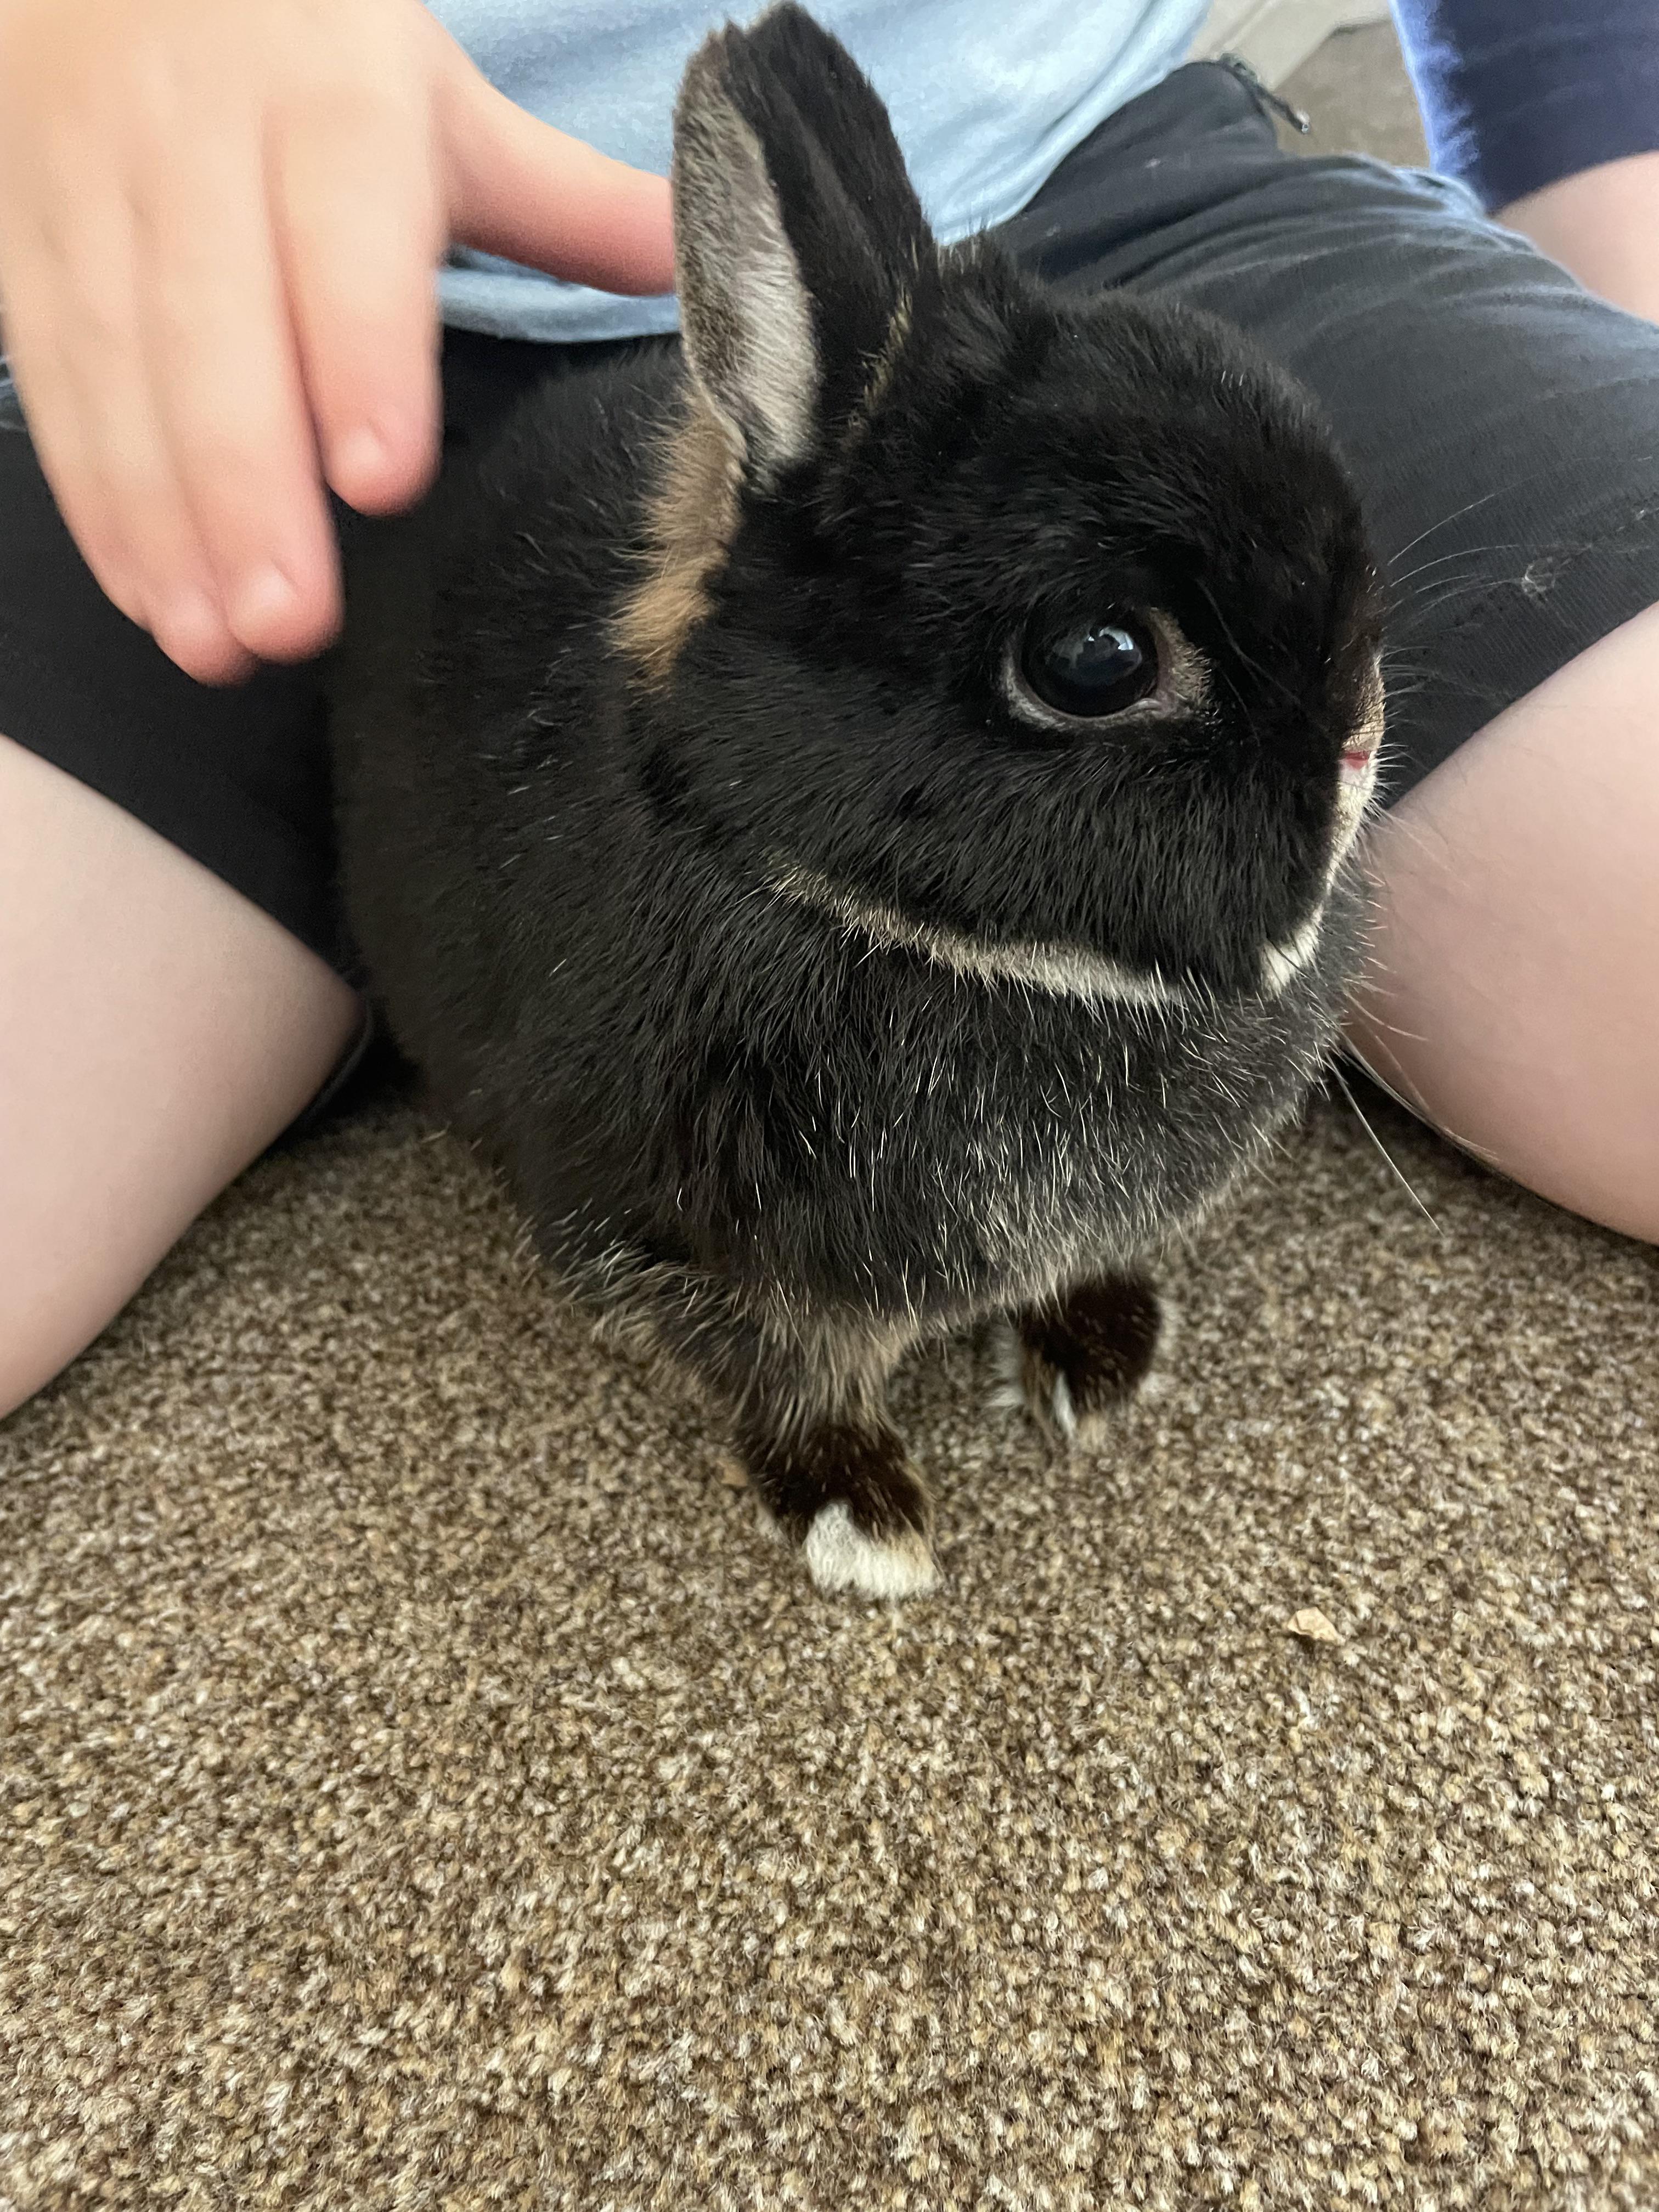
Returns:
<point x="161" y="1029"/>
<point x="1513" y="996"/>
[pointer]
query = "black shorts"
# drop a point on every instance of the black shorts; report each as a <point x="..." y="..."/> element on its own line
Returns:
<point x="1504" y="427"/>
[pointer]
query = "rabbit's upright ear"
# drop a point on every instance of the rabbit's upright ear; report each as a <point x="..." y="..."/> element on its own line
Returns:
<point x="797" y="234"/>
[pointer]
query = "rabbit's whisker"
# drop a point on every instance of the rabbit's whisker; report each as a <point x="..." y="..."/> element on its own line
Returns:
<point x="1440" y="560"/>
<point x="1393" y="1164"/>
<point x="1444" y="523"/>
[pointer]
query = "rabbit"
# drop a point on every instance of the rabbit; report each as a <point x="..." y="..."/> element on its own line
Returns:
<point x="847" y="808"/>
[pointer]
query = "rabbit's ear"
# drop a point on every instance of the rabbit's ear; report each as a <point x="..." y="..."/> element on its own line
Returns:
<point x="798" y="233"/>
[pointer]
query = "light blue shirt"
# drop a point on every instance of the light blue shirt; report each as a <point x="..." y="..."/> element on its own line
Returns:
<point x="987" y="97"/>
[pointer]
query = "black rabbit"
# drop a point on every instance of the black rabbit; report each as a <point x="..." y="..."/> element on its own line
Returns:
<point x="849" y="815"/>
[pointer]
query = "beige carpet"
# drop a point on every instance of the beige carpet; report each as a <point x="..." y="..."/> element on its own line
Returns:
<point x="423" y="1786"/>
<point x="420" y="1786"/>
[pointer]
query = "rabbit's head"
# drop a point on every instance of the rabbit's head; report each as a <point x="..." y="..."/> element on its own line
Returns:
<point x="1043" y="638"/>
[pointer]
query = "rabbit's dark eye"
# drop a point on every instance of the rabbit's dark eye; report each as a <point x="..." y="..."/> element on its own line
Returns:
<point x="1098" y="670"/>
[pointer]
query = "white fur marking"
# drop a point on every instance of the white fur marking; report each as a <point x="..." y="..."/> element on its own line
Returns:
<point x="1155" y="1384"/>
<point x="840" y="1556"/>
<point x="1063" y="1411"/>
<point x="1280" y="962"/>
<point x="1064" y="971"/>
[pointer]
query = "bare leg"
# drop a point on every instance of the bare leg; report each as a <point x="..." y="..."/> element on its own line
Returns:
<point x="156" y="1032"/>
<point x="1514" y="999"/>
<point x="1603" y="224"/>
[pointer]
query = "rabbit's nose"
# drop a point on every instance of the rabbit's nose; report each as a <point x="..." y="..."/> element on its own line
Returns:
<point x="1361" y="749"/>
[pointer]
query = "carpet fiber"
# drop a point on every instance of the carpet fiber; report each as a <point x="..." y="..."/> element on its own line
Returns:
<point x="422" y="1786"/>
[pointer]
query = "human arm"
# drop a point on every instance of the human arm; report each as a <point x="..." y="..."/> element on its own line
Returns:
<point x="219" y="221"/>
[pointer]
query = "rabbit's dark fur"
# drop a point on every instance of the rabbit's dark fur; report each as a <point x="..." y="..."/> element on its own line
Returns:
<point x="814" y="992"/>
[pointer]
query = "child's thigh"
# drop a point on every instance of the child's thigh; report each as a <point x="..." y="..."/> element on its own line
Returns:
<point x="1513" y="995"/>
<point x="158" y="1030"/>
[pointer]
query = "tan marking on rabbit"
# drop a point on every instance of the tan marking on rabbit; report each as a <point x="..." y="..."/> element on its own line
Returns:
<point x="1186" y="671"/>
<point x="693" y="516"/>
<point x="810" y="1368"/>
<point x="1063" y="971"/>
<point x="806" y="1396"/>
<point x="754" y="365"/>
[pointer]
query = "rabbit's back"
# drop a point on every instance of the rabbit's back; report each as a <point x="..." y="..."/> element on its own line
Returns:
<point x="481" y="802"/>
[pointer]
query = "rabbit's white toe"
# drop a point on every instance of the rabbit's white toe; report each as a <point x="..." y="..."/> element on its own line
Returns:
<point x="840" y="1556"/>
<point x="1061" y="1412"/>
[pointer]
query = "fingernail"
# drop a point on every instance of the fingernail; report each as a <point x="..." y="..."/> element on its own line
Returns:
<point x="264" y="596"/>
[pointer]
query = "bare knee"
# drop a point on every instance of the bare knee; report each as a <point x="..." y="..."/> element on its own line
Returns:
<point x="159" y="1031"/>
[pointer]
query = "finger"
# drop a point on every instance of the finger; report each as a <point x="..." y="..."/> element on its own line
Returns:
<point x="85" y="395"/>
<point x="517" y="187"/>
<point x="359" y="232"/>
<point x="225" y="378"/>
<point x="53" y="410"/>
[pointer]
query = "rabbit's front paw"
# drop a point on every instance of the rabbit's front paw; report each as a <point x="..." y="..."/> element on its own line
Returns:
<point x="848" y="1496"/>
<point x="1071" y="1359"/>
<point x="841" y="1555"/>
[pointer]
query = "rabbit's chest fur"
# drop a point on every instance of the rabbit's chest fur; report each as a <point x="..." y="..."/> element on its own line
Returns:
<point x="667" y="1059"/>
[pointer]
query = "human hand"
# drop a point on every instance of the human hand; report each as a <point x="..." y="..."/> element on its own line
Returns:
<point x="219" y="222"/>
